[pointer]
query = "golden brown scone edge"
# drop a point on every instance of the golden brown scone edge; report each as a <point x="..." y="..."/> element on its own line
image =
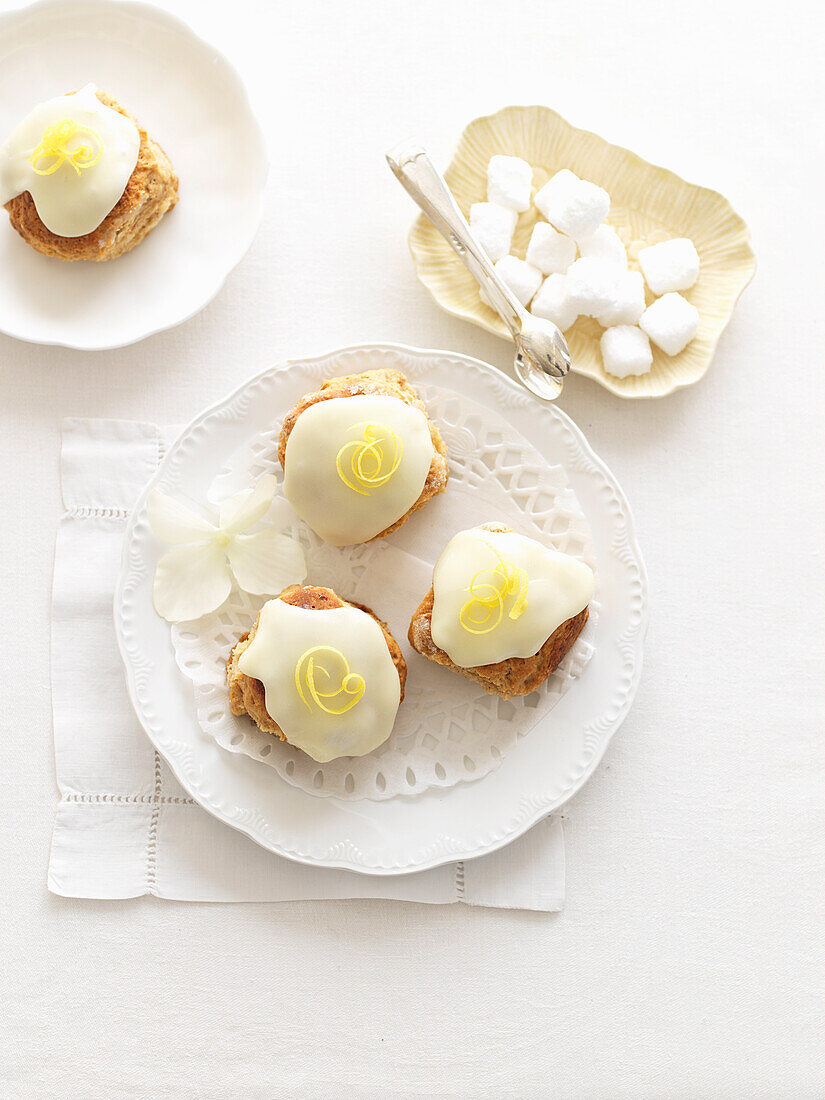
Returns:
<point x="151" y="191"/>
<point x="384" y="383"/>
<point x="246" y="694"/>
<point x="517" y="675"/>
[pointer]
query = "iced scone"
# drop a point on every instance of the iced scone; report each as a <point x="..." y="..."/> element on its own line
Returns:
<point x="360" y="456"/>
<point x="81" y="179"/>
<point x="503" y="610"/>
<point x="322" y="673"/>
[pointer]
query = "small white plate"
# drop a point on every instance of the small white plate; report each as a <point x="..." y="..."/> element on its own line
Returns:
<point x="401" y="834"/>
<point x="191" y="100"/>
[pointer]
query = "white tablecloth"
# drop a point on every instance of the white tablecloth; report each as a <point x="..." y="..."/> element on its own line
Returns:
<point x="689" y="959"/>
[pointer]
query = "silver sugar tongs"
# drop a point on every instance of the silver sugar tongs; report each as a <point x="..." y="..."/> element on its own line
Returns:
<point x="542" y="357"/>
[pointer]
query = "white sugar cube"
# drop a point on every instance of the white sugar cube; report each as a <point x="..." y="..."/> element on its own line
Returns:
<point x="493" y="227"/>
<point x="625" y="350"/>
<point x="671" y="265"/>
<point x="671" y="323"/>
<point x="552" y="302"/>
<point x="627" y="303"/>
<point x="522" y="278"/>
<point x="509" y="180"/>
<point x="604" y="244"/>
<point x="592" y="286"/>
<point x="550" y="251"/>
<point x="575" y="207"/>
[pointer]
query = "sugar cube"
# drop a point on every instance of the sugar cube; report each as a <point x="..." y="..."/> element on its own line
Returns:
<point x="625" y="350"/>
<point x="574" y="206"/>
<point x="627" y="303"/>
<point x="522" y="278"/>
<point x="671" y="323"/>
<point x="508" y="182"/>
<point x="671" y="265"/>
<point x="592" y="285"/>
<point x="549" y="251"/>
<point x="604" y="244"/>
<point x="493" y="227"/>
<point x="552" y="302"/>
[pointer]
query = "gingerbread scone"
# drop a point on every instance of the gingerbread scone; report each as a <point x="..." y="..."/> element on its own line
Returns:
<point x="81" y="180"/>
<point x="320" y="672"/>
<point x="360" y="456"/>
<point x="503" y="609"/>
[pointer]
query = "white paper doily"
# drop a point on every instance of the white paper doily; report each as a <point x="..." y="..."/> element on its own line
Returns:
<point x="448" y="730"/>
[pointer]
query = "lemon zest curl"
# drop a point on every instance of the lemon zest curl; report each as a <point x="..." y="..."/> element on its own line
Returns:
<point x="309" y="669"/>
<point x="54" y="144"/>
<point x="364" y="464"/>
<point x="484" y="610"/>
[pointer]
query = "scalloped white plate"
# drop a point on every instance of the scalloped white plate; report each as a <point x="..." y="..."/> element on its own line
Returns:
<point x="648" y="204"/>
<point x="193" y="102"/>
<point x="537" y="776"/>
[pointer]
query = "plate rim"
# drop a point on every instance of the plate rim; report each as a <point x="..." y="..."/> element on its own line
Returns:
<point x="171" y="21"/>
<point x="538" y="809"/>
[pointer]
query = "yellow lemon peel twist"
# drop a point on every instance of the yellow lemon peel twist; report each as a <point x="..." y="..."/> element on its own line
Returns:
<point x="55" y="144"/>
<point x="484" y="610"/>
<point x="307" y="671"/>
<point x="367" y="458"/>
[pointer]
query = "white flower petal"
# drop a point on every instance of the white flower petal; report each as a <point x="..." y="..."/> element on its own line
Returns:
<point x="281" y="513"/>
<point x="242" y="511"/>
<point x="174" y="522"/>
<point x="266" y="562"/>
<point x="191" y="581"/>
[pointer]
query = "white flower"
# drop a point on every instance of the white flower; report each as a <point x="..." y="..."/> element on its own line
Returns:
<point x="195" y="576"/>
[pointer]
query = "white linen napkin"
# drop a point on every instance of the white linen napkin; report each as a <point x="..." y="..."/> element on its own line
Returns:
<point x="124" y="825"/>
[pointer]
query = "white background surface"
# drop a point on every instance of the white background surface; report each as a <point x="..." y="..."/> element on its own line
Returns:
<point x="689" y="960"/>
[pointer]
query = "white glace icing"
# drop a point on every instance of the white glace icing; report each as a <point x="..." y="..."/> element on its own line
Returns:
<point x="500" y="595"/>
<point x="355" y="465"/>
<point x="74" y="155"/>
<point x="329" y="679"/>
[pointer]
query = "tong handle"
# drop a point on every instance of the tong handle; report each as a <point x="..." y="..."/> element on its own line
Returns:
<point x="424" y="183"/>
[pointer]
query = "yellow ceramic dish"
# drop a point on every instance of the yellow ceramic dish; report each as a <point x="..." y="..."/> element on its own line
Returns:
<point x="648" y="205"/>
